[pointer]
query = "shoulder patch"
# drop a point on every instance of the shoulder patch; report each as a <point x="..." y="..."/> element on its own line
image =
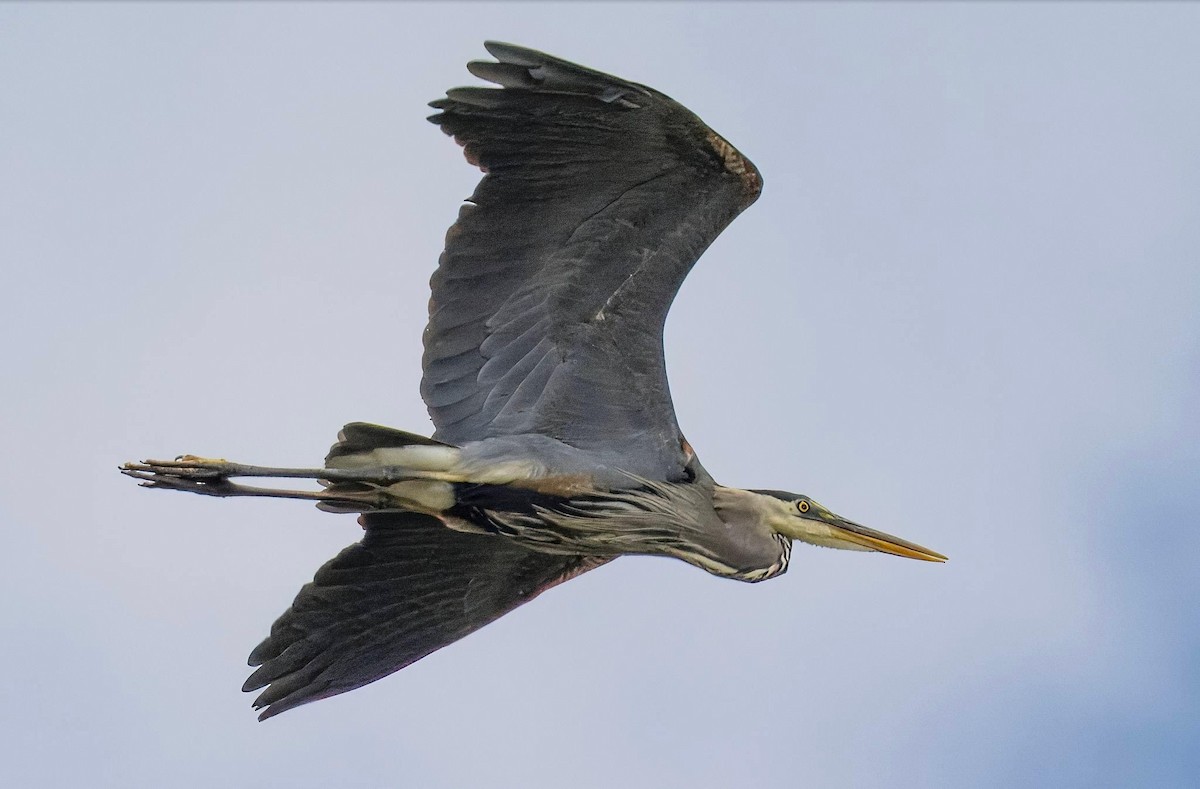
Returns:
<point x="738" y="165"/>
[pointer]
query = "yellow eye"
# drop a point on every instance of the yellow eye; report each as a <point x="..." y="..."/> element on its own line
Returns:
<point x="802" y="506"/>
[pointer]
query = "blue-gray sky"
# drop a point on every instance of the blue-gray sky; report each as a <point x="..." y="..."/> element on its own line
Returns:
<point x="965" y="311"/>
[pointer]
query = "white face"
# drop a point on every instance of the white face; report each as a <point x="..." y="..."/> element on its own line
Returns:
<point x="805" y="520"/>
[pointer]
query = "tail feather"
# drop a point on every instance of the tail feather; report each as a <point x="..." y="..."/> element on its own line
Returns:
<point x="364" y="445"/>
<point x="363" y="437"/>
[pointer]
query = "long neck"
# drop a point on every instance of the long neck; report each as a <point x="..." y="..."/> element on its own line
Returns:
<point x="762" y="552"/>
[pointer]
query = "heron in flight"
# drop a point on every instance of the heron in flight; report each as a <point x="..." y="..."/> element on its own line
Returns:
<point x="556" y="446"/>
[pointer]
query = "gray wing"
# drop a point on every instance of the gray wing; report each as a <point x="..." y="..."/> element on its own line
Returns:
<point x="549" y="300"/>
<point x="410" y="587"/>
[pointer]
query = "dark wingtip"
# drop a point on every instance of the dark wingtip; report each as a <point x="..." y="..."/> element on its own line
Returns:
<point x="255" y="681"/>
<point x="512" y="53"/>
<point x="267" y="711"/>
<point x="260" y="654"/>
<point x="522" y="69"/>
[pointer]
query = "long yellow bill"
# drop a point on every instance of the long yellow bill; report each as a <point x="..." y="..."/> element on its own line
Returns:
<point x="886" y="543"/>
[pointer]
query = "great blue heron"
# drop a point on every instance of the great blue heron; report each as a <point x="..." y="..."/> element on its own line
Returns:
<point x="556" y="446"/>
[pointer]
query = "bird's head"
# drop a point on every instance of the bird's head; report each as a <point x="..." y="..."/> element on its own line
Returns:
<point x="800" y="518"/>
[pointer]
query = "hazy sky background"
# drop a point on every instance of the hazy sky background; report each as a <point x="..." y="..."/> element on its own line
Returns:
<point x="965" y="311"/>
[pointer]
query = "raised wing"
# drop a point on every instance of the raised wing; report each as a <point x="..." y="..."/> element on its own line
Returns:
<point x="411" y="586"/>
<point x="549" y="301"/>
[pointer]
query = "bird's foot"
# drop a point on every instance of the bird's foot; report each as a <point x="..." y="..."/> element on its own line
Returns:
<point x="207" y="476"/>
<point x="191" y="467"/>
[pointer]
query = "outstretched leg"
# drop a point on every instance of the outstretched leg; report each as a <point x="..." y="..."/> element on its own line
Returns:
<point x="212" y="477"/>
<point x="370" y="468"/>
